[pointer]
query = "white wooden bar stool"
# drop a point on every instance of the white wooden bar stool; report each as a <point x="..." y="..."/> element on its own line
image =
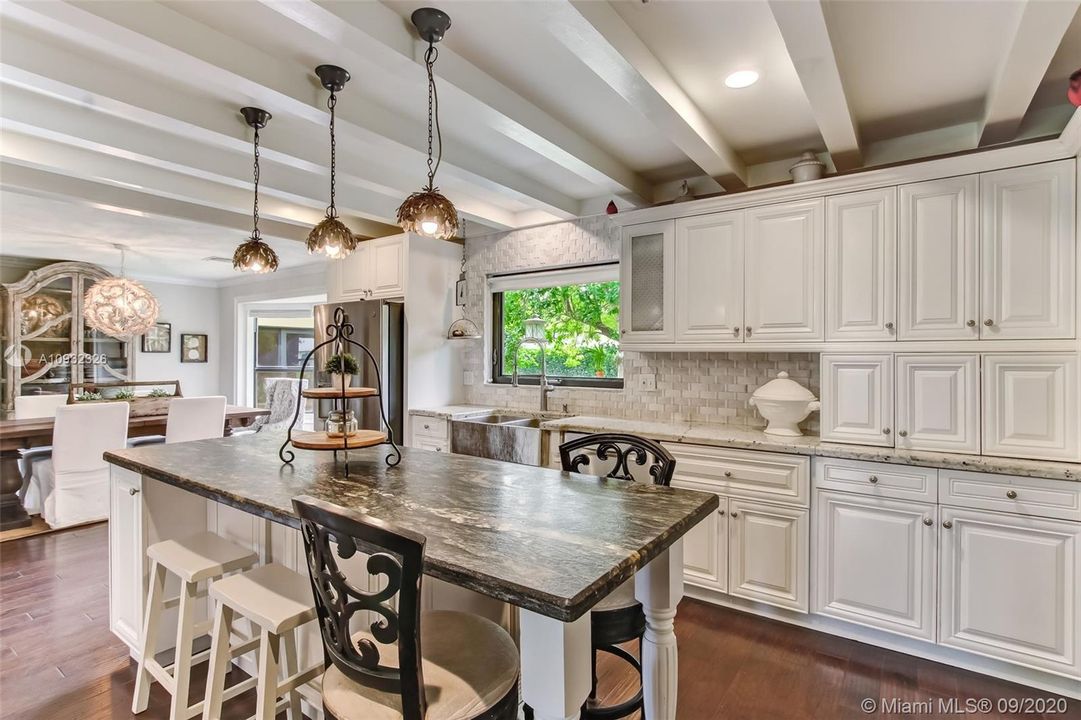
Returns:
<point x="205" y="557"/>
<point x="277" y="601"/>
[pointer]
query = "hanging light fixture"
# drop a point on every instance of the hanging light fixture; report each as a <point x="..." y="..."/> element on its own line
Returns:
<point x="429" y="212"/>
<point x="463" y="328"/>
<point x="118" y="306"/>
<point x="331" y="237"/>
<point x="254" y="255"/>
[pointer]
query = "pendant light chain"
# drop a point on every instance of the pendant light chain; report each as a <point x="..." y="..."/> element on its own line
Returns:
<point x="430" y="56"/>
<point x="255" y="205"/>
<point x="332" y="101"/>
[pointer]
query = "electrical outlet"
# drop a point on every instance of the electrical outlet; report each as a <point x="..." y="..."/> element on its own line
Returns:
<point x="467" y="377"/>
<point x="646" y="382"/>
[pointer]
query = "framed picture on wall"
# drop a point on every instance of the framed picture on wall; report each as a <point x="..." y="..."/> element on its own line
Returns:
<point x="192" y="348"/>
<point x="158" y="339"/>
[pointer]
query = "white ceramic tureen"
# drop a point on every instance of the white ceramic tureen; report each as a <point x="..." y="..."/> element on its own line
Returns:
<point x="784" y="403"/>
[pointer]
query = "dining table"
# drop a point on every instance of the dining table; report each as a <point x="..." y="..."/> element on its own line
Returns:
<point x="18" y="435"/>
<point x="548" y="542"/>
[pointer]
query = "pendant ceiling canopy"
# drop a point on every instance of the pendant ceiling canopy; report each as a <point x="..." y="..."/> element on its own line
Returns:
<point x="254" y="255"/>
<point x="120" y="307"/>
<point x="331" y="237"/>
<point x="429" y="212"/>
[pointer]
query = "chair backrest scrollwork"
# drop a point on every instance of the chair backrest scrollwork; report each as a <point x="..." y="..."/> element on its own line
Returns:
<point x="623" y="450"/>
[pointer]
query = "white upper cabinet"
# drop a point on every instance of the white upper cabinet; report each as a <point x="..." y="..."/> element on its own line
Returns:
<point x="375" y="269"/>
<point x="857" y="399"/>
<point x="784" y="272"/>
<point x="1030" y="406"/>
<point x="937" y="267"/>
<point x="647" y="280"/>
<point x="861" y="252"/>
<point x="1027" y="252"/>
<point x="709" y="278"/>
<point x="353" y="271"/>
<point x="938" y="406"/>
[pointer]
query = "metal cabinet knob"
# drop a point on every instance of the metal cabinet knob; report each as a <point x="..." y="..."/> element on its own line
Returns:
<point x="928" y="522"/>
<point x="947" y="524"/>
<point x="623" y="331"/>
<point x="133" y="491"/>
<point x="735" y="331"/>
<point x="720" y="512"/>
<point x="748" y="330"/>
<point x="728" y="473"/>
<point x="903" y="433"/>
<point x="427" y="427"/>
<point x="873" y="479"/>
<point x="885" y="431"/>
<point x="735" y="514"/>
<point x="971" y="323"/>
<point x="889" y="326"/>
<point x="1011" y="494"/>
<point x="988" y="322"/>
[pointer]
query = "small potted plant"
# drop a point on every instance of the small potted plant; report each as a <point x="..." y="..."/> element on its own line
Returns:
<point x="342" y="367"/>
<point x="159" y="393"/>
<point x="124" y="395"/>
<point x="87" y="396"/>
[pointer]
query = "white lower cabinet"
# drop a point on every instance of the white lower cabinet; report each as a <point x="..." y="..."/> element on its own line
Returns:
<point x="769" y="553"/>
<point x="126" y="559"/>
<point x="1010" y="590"/>
<point x="705" y="551"/>
<point x="875" y="562"/>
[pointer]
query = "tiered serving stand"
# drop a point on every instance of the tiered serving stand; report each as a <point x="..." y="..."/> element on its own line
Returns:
<point x="339" y="334"/>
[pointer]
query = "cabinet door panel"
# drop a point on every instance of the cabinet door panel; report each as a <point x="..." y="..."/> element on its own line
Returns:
<point x="1030" y="406"/>
<point x="769" y="553"/>
<point x="857" y="399"/>
<point x="938" y="402"/>
<point x="388" y="267"/>
<point x="705" y="550"/>
<point x="355" y="270"/>
<point x="784" y="272"/>
<point x="1010" y="588"/>
<point x="1027" y="251"/>
<point x="860" y="265"/>
<point x="709" y="278"/>
<point x="126" y="559"/>
<point x="875" y="562"/>
<point x="647" y="274"/>
<point x="937" y="274"/>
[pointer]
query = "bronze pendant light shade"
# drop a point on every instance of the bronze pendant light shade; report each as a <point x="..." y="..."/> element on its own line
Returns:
<point x="331" y="237"/>
<point x="254" y="255"/>
<point x="429" y="212"/>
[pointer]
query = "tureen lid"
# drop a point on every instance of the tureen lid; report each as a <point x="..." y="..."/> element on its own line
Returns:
<point x="782" y="388"/>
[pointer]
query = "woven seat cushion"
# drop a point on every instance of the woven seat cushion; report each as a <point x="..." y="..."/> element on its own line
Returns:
<point x="470" y="664"/>
<point x="621" y="597"/>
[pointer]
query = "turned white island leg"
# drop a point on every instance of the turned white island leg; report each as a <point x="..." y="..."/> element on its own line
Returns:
<point x="556" y="673"/>
<point x="659" y="587"/>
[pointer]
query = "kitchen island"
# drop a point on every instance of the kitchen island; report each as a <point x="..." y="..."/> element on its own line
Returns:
<point x="548" y="542"/>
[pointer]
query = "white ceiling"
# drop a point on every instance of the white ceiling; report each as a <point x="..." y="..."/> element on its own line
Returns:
<point x="550" y="108"/>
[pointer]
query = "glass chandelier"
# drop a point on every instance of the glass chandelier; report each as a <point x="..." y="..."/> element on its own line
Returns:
<point x="254" y="255"/>
<point x="331" y="237"/>
<point x="120" y="307"/>
<point x="429" y="212"/>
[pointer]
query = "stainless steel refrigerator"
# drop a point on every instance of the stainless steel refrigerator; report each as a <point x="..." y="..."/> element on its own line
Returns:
<point x="379" y="325"/>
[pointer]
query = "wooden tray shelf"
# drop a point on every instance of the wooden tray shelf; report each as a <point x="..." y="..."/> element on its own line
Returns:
<point x="329" y="393"/>
<point x="321" y="441"/>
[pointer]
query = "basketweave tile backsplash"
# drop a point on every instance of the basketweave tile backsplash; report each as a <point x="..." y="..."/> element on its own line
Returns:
<point x="696" y="387"/>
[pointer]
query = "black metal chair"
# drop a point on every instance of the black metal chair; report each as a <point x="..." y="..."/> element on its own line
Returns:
<point x="407" y="664"/>
<point x="618" y="618"/>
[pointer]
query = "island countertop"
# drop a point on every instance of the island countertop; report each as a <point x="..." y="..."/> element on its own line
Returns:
<point x="541" y="539"/>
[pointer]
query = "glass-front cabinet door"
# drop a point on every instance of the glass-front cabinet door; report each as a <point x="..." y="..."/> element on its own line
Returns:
<point x="647" y="278"/>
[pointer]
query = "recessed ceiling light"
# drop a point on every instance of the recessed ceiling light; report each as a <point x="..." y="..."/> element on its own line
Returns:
<point x="741" y="79"/>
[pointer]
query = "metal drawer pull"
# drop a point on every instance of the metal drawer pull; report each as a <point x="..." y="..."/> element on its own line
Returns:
<point x="720" y="512"/>
<point x="889" y="326"/>
<point x="928" y="522"/>
<point x="903" y="433"/>
<point x="947" y="524"/>
<point x="748" y="330"/>
<point x="1011" y="494"/>
<point x="885" y="431"/>
<point x="728" y="473"/>
<point x="427" y="427"/>
<point x="873" y="479"/>
<point x="133" y="491"/>
<point x="735" y="331"/>
<point x="988" y="322"/>
<point x="735" y="514"/>
<point x="971" y="323"/>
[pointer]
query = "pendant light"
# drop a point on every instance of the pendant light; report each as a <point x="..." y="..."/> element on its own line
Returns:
<point x="331" y="237"/>
<point x="254" y="255"/>
<point x="429" y="212"/>
<point x="463" y="328"/>
<point x="118" y="306"/>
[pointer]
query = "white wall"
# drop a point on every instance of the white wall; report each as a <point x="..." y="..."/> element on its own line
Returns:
<point x="190" y="309"/>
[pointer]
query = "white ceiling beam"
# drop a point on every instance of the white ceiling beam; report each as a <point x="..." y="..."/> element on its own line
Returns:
<point x="155" y="38"/>
<point x="375" y="33"/>
<point x="606" y="45"/>
<point x="369" y="187"/>
<point x="1040" y="29"/>
<point x="807" y="39"/>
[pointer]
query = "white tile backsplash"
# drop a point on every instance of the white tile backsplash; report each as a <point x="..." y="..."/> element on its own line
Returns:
<point x="702" y="387"/>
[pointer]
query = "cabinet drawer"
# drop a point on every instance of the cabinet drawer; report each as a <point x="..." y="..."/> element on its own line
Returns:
<point x="430" y="427"/>
<point x="892" y="481"/>
<point x="1059" y="499"/>
<point x="750" y="474"/>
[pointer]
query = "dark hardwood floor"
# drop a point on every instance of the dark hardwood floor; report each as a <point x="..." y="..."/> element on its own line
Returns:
<point x="58" y="660"/>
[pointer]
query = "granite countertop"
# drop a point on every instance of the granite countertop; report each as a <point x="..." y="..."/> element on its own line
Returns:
<point x="452" y="412"/>
<point x="744" y="438"/>
<point x="548" y="541"/>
